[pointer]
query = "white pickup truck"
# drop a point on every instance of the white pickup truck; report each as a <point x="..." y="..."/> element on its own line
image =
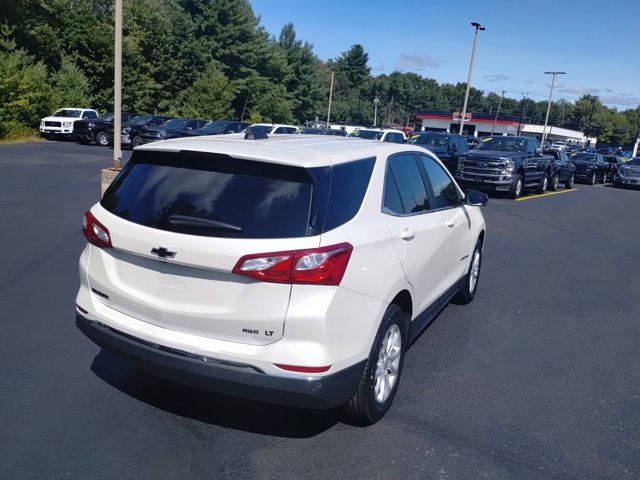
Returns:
<point x="60" y="123"/>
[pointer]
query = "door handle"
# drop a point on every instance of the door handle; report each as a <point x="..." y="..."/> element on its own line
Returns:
<point x="408" y="234"/>
<point x="450" y="224"/>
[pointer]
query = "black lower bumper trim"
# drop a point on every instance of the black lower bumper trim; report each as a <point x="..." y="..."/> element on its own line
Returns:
<point x="230" y="379"/>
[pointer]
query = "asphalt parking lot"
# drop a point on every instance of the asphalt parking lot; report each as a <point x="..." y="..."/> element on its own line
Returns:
<point x="538" y="378"/>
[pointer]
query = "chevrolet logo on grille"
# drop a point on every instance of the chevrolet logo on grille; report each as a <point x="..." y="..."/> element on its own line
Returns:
<point x="163" y="252"/>
<point x="481" y="164"/>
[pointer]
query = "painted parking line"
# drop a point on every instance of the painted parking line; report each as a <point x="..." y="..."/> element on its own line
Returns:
<point x="533" y="197"/>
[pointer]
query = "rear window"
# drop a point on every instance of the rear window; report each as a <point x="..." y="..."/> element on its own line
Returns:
<point x="219" y="196"/>
<point x="228" y="197"/>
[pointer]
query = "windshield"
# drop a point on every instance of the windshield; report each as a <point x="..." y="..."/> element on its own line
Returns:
<point x="503" y="144"/>
<point x="107" y="117"/>
<point x="261" y="129"/>
<point x="434" y="140"/>
<point x="367" y="134"/>
<point x="584" y="157"/>
<point x="65" y="112"/>
<point x="215" y="127"/>
<point x="140" y="120"/>
<point x="175" y="123"/>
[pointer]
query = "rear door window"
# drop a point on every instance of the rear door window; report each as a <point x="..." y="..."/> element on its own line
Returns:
<point x="212" y="195"/>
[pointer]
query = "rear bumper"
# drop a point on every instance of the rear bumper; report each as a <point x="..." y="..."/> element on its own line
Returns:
<point x="231" y="379"/>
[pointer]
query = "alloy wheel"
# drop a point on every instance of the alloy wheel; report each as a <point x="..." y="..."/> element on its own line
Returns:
<point x="388" y="364"/>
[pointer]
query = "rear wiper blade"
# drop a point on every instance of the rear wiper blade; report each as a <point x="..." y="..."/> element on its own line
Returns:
<point x="186" y="221"/>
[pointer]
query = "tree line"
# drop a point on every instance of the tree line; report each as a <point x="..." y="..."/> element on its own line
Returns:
<point x="212" y="59"/>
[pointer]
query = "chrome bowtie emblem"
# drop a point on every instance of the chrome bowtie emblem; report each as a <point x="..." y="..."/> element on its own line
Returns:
<point x="163" y="252"/>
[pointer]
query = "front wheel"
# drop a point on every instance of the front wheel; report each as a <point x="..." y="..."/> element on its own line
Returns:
<point x="592" y="180"/>
<point x="553" y="185"/>
<point x="604" y="178"/>
<point x="379" y="381"/>
<point x="136" y="141"/>
<point x="102" y="139"/>
<point x="516" y="188"/>
<point x="470" y="280"/>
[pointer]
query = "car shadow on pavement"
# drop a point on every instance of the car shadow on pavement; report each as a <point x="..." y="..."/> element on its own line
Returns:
<point x="212" y="408"/>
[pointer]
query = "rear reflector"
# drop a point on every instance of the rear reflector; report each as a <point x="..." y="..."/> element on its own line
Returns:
<point x="96" y="233"/>
<point x="316" y="266"/>
<point x="297" y="369"/>
<point x="82" y="310"/>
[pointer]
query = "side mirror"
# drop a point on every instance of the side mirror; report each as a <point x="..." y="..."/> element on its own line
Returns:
<point x="475" y="198"/>
<point x="538" y="152"/>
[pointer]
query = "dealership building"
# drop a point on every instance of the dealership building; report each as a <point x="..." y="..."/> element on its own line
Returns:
<point x="485" y="124"/>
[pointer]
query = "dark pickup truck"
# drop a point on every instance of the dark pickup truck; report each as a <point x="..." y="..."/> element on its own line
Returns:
<point x="95" y="130"/>
<point x="508" y="164"/>
<point x="448" y="147"/>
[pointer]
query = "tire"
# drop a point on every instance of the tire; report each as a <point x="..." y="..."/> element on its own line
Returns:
<point x="135" y="142"/>
<point x="569" y="183"/>
<point x="102" y="139"/>
<point x="516" y="188"/>
<point x="592" y="180"/>
<point x="617" y="184"/>
<point x="369" y="405"/>
<point x="542" y="186"/>
<point x="604" y="178"/>
<point x="469" y="284"/>
<point x="553" y="185"/>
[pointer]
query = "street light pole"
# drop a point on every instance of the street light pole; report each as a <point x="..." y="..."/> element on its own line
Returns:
<point x="117" y="88"/>
<point x="330" y="95"/>
<point x="376" y="101"/>
<point x="478" y="28"/>
<point x="546" y="119"/>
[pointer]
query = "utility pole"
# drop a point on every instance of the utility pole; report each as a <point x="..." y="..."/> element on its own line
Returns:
<point x="478" y="28"/>
<point x="591" y="112"/>
<point x="390" y="110"/>
<point x="244" y="108"/>
<point x="117" y="89"/>
<point x="330" y="96"/>
<point x="546" y="120"/>
<point x="524" y="97"/>
<point x="495" y="119"/>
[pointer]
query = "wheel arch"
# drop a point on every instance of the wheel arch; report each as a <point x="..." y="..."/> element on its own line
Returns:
<point x="404" y="300"/>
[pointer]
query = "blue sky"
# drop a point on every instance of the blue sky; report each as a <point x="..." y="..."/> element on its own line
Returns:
<point x="597" y="42"/>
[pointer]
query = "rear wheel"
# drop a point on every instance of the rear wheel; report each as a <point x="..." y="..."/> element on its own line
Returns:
<point x="379" y="381"/>
<point x="102" y="139"/>
<point x="470" y="280"/>
<point x="604" y="178"/>
<point x="542" y="186"/>
<point x="553" y="184"/>
<point x="516" y="188"/>
<point x="592" y="180"/>
<point x="569" y="183"/>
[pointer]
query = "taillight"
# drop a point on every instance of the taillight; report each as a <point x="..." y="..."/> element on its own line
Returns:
<point x="96" y="233"/>
<point x="317" y="266"/>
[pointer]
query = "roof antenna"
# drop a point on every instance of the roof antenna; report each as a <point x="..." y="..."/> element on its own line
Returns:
<point x="255" y="134"/>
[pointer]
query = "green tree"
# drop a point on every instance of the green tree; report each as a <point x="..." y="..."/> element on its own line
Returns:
<point x="25" y="94"/>
<point x="71" y="87"/>
<point x="210" y="96"/>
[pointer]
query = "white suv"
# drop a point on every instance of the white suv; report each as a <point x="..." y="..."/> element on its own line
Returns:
<point x="380" y="134"/>
<point x="292" y="270"/>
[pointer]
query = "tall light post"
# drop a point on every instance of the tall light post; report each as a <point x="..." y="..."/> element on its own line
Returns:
<point x="330" y="95"/>
<point x="479" y="28"/>
<point x="117" y="88"/>
<point x="546" y="119"/>
<point x="376" y="101"/>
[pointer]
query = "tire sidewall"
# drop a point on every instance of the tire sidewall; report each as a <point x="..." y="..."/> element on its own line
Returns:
<point x="102" y="136"/>
<point x="393" y="315"/>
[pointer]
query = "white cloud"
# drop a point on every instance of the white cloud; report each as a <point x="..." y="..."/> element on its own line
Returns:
<point x="496" y="77"/>
<point x="417" y="62"/>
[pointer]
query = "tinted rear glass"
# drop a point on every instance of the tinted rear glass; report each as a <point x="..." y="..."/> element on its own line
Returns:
<point x="349" y="183"/>
<point x="264" y="200"/>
